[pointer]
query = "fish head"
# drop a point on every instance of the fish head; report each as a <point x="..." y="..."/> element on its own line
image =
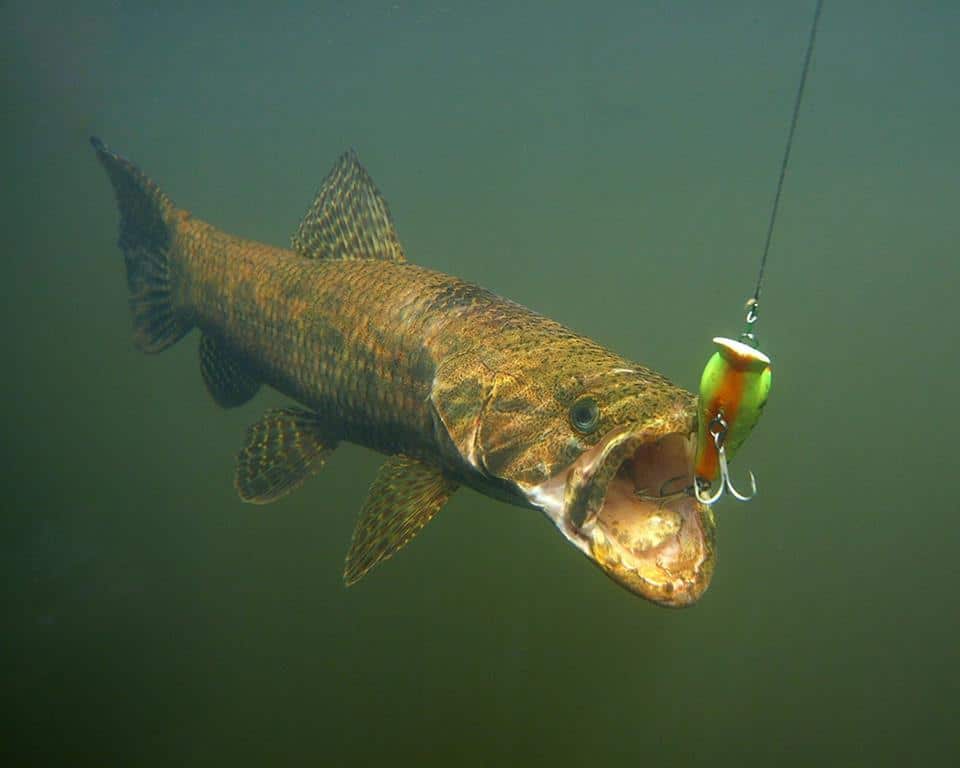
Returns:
<point x="605" y="449"/>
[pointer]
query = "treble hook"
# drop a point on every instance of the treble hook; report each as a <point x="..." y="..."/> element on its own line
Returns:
<point x="725" y="478"/>
<point x="718" y="431"/>
<point x="708" y="500"/>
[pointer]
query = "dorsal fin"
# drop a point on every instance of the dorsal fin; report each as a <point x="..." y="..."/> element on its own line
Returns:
<point x="348" y="219"/>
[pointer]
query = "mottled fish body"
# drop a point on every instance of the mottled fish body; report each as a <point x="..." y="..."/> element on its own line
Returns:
<point x="457" y="385"/>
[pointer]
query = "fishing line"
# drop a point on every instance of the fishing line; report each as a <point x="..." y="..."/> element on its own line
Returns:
<point x="735" y="383"/>
<point x="754" y="303"/>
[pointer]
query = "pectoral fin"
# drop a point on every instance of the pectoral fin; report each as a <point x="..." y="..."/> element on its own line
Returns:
<point x="283" y="449"/>
<point x="405" y="496"/>
<point x="227" y="378"/>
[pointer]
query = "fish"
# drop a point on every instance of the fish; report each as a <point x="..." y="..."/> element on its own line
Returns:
<point x="454" y="384"/>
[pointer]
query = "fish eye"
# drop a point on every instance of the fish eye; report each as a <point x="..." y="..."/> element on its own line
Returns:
<point x="585" y="415"/>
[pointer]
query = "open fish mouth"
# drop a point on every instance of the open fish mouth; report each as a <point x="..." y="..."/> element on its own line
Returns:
<point x="625" y="503"/>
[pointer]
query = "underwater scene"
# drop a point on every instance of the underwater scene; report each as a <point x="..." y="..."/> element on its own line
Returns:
<point x="357" y="404"/>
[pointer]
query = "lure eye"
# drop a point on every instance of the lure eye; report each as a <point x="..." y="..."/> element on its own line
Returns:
<point x="585" y="415"/>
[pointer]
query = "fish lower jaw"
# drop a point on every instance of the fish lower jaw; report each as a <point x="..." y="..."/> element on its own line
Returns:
<point x="649" y="566"/>
<point x="636" y="521"/>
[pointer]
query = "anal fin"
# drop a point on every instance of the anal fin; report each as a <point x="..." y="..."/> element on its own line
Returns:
<point x="283" y="449"/>
<point x="405" y="496"/>
<point x="227" y="378"/>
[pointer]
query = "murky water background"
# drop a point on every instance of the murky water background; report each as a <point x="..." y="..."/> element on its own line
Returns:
<point x="611" y="167"/>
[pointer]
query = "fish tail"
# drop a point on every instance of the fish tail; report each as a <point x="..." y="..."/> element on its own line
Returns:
<point x="147" y="231"/>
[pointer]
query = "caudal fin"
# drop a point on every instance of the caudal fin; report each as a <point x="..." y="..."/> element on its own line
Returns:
<point x="147" y="219"/>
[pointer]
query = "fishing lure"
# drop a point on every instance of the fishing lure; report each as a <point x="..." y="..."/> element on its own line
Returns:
<point x="736" y="381"/>
<point x="733" y="391"/>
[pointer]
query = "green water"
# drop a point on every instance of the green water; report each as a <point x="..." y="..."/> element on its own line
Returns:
<point x="611" y="167"/>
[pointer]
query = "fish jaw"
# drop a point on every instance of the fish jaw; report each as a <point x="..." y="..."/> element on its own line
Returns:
<point x="624" y="504"/>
